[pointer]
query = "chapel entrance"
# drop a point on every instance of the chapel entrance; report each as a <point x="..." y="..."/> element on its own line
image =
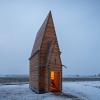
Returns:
<point x="54" y="81"/>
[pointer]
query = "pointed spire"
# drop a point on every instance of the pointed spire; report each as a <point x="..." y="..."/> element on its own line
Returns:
<point x="50" y="14"/>
<point x="40" y="33"/>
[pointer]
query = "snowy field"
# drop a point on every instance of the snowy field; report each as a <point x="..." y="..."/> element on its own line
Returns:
<point x="22" y="92"/>
<point x="71" y="90"/>
<point x="86" y="90"/>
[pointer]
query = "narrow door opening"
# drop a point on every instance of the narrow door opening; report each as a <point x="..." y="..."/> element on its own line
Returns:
<point x="52" y="85"/>
<point x="52" y="75"/>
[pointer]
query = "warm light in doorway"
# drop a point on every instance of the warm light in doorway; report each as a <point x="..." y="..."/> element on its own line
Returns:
<point x="52" y="75"/>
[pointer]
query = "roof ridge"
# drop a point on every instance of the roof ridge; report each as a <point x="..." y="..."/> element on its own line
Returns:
<point x="40" y="35"/>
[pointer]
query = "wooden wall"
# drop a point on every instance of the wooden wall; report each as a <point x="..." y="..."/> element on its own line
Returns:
<point x="34" y="72"/>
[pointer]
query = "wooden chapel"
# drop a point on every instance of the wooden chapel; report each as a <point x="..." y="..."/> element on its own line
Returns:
<point x="45" y="61"/>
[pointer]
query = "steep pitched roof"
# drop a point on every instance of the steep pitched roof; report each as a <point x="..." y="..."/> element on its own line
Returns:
<point x="40" y="34"/>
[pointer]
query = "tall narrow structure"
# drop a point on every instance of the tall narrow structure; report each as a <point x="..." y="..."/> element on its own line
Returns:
<point x="45" y="61"/>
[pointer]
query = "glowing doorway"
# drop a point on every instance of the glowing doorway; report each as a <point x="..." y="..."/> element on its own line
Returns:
<point x="52" y="84"/>
<point x="52" y="75"/>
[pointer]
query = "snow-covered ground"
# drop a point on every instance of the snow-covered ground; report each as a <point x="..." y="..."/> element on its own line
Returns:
<point x="22" y="92"/>
<point x="83" y="90"/>
<point x="89" y="90"/>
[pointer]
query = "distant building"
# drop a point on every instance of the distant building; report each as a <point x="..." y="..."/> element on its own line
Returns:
<point x="45" y="61"/>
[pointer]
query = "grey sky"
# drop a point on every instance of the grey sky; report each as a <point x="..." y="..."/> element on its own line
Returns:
<point x="77" y="25"/>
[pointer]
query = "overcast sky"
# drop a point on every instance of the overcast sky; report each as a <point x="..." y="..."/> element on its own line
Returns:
<point x="77" y="25"/>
